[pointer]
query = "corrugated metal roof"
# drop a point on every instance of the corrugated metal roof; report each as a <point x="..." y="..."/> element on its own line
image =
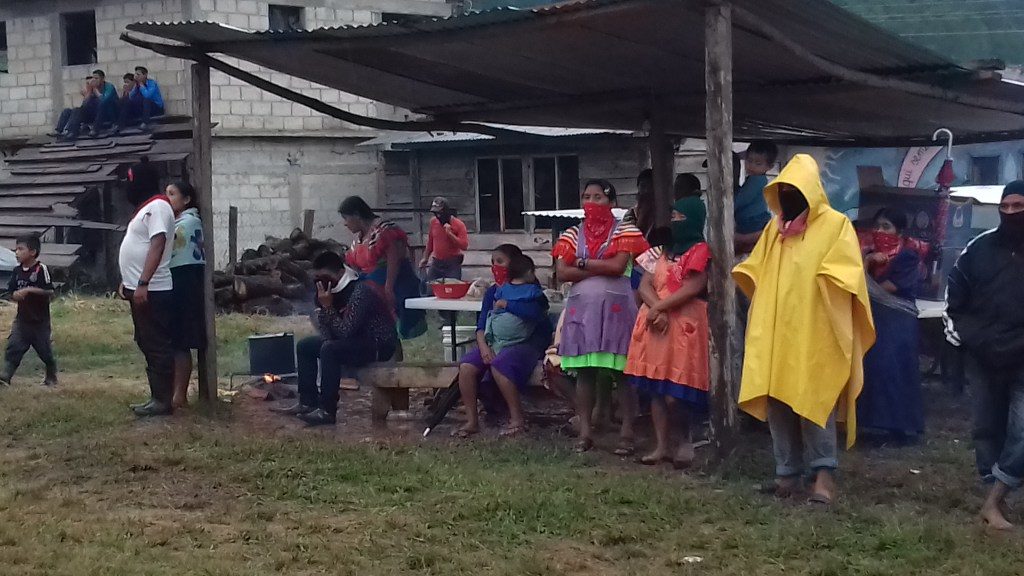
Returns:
<point x="599" y="64"/>
<point x="403" y="139"/>
<point x="960" y="29"/>
<point x="572" y="213"/>
<point x="980" y="194"/>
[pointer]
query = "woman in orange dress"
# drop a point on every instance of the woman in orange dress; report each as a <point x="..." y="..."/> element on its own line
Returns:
<point x="668" y="352"/>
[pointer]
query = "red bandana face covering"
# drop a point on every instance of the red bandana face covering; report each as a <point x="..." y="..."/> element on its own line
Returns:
<point x="886" y="243"/>
<point x="597" y="226"/>
<point x="500" y="274"/>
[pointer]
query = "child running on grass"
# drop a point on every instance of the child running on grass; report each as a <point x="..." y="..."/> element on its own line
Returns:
<point x="30" y="286"/>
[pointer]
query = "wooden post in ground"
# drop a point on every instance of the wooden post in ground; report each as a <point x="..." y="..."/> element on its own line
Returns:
<point x="233" y="235"/>
<point x="725" y="331"/>
<point x="202" y="179"/>
<point x="307" y="222"/>
<point x="662" y="167"/>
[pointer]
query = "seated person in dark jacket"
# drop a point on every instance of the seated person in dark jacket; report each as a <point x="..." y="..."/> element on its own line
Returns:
<point x="356" y="327"/>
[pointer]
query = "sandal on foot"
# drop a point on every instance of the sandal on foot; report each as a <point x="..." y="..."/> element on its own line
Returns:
<point x="583" y="445"/>
<point x="625" y="448"/>
<point x="776" y="489"/>
<point x="651" y="460"/>
<point x="820" y="500"/>
<point x="512" y="431"/>
<point x="463" y="433"/>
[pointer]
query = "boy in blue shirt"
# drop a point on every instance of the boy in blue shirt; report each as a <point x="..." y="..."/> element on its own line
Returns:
<point x="750" y="209"/>
<point x="30" y="286"/>
<point x="143" y="102"/>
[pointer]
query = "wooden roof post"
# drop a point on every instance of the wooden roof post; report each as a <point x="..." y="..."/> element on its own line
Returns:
<point x="662" y="166"/>
<point x="202" y="179"/>
<point x="725" y="330"/>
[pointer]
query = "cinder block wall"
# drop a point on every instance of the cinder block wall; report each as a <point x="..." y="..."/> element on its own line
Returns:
<point x="240" y="108"/>
<point x="39" y="86"/>
<point x="271" y="158"/>
<point x="273" y="180"/>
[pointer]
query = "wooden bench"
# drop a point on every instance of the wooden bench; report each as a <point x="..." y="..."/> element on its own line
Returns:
<point x="391" y="382"/>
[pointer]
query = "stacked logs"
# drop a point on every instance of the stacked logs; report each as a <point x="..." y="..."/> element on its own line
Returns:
<point x="273" y="279"/>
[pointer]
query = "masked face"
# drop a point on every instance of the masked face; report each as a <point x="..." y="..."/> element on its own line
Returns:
<point x="1011" y="218"/>
<point x="499" y="267"/>
<point x="598" y="212"/>
<point x="792" y="202"/>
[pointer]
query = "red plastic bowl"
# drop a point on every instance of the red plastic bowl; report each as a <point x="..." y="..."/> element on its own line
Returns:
<point x="450" y="290"/>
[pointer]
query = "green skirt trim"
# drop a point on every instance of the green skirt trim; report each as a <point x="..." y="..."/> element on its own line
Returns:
<point x="606" y="360"/>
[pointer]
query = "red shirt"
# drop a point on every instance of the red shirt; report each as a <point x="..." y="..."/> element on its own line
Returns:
<point x="441" y="245"/>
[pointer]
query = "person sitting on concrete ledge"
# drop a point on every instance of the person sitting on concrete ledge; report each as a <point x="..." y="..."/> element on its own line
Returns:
<point x="356" y="327"/>
<point x="143" y="102"/>
<point x="98" y="107"/>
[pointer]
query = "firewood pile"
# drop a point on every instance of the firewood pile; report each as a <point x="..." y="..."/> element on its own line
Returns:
<point x="274" y="279"/>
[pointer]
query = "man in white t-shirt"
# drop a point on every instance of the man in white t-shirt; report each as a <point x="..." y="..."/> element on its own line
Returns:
<point x="146" y="283"/>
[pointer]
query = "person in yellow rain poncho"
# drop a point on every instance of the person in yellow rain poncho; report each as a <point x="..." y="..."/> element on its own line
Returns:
<point x="809" y="327"/>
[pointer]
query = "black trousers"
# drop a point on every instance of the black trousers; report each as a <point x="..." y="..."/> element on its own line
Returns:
<point x="153" y="335"/>
<point x="337" y="359"/>
<point x="25" y="335"/>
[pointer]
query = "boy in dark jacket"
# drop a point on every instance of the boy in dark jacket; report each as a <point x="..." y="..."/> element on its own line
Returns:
<point x="30" y="286"/>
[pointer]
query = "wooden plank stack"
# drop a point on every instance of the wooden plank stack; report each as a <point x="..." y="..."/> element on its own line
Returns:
<point x="275" y="278"/>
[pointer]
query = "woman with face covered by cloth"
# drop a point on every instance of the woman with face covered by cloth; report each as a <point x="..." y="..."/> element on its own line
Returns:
<point x="668" y="354"/>
<point x="809" y="327"/>
<point x="597" y="257"/>
<point x="984" y="317"/>
<point x="891" y="400"/>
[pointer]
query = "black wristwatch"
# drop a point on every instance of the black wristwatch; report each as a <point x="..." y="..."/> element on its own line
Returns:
<point x="581" y="263"/>
<point x="143" y="283"/>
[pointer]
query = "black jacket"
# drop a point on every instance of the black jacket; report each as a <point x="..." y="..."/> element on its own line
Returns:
<point x="985" y="301"/>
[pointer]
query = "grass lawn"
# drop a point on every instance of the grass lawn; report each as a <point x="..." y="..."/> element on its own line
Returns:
<point x="86" y="489"/>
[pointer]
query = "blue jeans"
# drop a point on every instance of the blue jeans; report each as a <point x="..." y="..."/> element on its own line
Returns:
<point x="799" y="444"/>
<point x="90" y="112"/>
<point x="137" y="109"/>
<point x="998" y="421"/>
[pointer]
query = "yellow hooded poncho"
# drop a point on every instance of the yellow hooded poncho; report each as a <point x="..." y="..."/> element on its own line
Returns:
<point x="810" y="319"/>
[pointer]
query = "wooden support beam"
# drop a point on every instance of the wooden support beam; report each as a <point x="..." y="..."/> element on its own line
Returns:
<point x="307" y="222"/>
<point x="725" y="331"/>
<point x="202" y="179"/>
<point x="233" y="235"/>
<point x="662" y="167"/>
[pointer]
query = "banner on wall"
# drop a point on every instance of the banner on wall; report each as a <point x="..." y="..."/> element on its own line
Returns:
<point x="914" y="164"/>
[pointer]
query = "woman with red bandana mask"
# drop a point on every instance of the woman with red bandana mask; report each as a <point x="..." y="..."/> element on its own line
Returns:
<point x="486" y="374"/>
<point x="890" y="401"/>
<point x="597" y="257"/>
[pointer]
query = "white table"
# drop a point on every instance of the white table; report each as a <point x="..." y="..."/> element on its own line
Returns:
<point x="446" y="304"/>
<point x="457" y="305"/>
<point x="460" y="305"/>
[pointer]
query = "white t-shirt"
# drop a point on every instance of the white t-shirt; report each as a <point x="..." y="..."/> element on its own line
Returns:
<point x="154" y="218"/>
